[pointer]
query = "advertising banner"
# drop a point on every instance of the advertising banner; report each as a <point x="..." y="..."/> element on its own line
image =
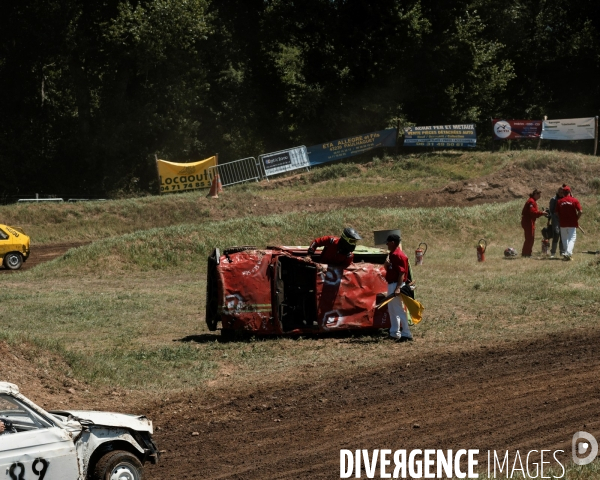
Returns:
<point x="569" y="129"/>
<point x="277" y="160"/>
<point x="183" y="177"/>
<point x="516" y="129"/>
<point x="285" y="160"/>
<point x="463" y="135"/>
<point x="348" y="147"/>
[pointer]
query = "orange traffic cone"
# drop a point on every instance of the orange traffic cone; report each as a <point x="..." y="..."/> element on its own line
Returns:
<point x="213" y="193"/>
<point x="219" y="184"/>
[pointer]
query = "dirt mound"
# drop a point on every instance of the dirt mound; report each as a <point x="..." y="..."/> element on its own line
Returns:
<point x="522" y="395"/>
<point x="39" y="374"/>
<point x="45" y="377"/>
<point x="512" y="183"/>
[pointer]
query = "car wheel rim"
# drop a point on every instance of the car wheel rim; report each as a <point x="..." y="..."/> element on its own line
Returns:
<point x="124" y="472"/>
<point x="13" y="260"/>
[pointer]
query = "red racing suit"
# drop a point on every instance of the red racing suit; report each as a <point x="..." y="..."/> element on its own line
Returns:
<point x="529" y="215"/>
<point x="331" y="253"/>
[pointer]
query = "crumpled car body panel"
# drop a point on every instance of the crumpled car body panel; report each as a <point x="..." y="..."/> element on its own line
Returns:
<point x="279" y="290"/>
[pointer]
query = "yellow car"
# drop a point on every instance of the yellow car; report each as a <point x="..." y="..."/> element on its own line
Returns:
<point x="14" y="246"/>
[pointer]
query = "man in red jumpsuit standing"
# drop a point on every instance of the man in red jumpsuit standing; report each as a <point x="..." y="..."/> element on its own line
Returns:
<point x="396" y="275"/>
<point x="529" y="215"/>
<point x="336" y="250"/>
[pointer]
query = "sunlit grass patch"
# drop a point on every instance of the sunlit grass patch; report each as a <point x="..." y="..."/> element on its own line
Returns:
<point x="129" y="310"/>
<point x="89" y="221"/>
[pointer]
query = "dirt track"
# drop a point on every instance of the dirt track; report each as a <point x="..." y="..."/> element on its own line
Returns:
<point x="525" y="395"/>
<point x="45" y="253"/>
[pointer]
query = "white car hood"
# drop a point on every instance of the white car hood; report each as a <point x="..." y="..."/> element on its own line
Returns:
<point x="108" y="419"/>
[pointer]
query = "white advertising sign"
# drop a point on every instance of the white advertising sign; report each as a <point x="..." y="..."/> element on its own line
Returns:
<point x="285" y="160"/>
<point x="569" y="129"/>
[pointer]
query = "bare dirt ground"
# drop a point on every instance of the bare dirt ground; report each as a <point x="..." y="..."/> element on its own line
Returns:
<point x="510" y="395"/>
<point x="522" y="395"/>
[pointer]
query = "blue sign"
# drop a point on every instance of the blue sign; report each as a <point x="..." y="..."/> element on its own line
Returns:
<point x="348" y="147"/>
<point x="441" y="136"/>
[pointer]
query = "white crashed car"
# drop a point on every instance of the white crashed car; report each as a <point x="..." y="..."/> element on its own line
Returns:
<point x="70" y="445"/>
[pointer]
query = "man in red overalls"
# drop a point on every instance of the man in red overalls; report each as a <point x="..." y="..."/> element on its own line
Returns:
<point x="529" y="215"/>
<point x="337" y="250"/>
<point x="396" y="275"/>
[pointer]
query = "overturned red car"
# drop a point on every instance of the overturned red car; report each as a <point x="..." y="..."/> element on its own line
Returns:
<point x="283" y="290"/>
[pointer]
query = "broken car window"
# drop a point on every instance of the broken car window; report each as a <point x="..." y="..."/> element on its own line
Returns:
<point x="21" y="416"/>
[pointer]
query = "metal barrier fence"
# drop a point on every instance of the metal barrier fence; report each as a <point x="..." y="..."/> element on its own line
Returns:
<point x="238" y="171"/>
<point x="284" y="161"/>
<point x="38" y="200"/>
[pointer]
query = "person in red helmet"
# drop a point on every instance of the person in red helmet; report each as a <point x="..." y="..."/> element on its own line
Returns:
<point x="529" y="215"/>
<point x="336" y="250"/>
<point x="569" y="210"/>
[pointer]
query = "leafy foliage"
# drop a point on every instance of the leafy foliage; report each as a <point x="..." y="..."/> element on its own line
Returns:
<point x="91" y="90"/>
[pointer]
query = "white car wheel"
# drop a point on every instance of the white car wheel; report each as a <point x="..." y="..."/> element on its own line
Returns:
<point x="118" y="465"/>
<point x="124" y="472"/>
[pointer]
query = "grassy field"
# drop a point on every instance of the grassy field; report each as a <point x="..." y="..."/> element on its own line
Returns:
<point x="126" y="308"/>
<point x="80" y="222"/>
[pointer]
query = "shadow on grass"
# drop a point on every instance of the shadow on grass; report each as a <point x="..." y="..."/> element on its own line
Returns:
<point x="348" y="336"/>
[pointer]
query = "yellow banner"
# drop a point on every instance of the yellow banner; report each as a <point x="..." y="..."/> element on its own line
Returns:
<point x="183" y="177"/>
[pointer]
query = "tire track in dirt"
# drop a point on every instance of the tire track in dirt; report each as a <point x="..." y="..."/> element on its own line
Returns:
<point x="519" y="395"/>
<point x="44" y="253"/>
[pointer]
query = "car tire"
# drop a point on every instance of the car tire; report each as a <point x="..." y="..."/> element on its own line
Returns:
<point x="118" y="465"/>
<point x="13" y="260"/>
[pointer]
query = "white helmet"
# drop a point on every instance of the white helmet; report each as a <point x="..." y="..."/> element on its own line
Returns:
<point x="510" y="252"/>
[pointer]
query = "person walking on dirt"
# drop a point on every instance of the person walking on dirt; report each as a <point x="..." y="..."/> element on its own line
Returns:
<point x="554" y="224"/>
<point x="396" y="275"/>
<point x="529" y="215"/>
<point x="336" y="250"/>
<point x="569" y="211"/>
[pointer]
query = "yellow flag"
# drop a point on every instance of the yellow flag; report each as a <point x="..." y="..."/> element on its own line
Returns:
<point x="414" y="307"/>
<point x="183" y="177"/>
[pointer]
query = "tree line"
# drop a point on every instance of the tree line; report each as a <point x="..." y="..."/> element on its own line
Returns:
<point x="91" y="90"/>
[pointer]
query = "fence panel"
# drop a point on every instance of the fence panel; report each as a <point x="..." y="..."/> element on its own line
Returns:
<point x="238" y="171"/>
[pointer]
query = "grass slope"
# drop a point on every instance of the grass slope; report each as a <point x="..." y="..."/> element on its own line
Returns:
<point x="129" y="310"/>
<point x="80" y="222"/>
